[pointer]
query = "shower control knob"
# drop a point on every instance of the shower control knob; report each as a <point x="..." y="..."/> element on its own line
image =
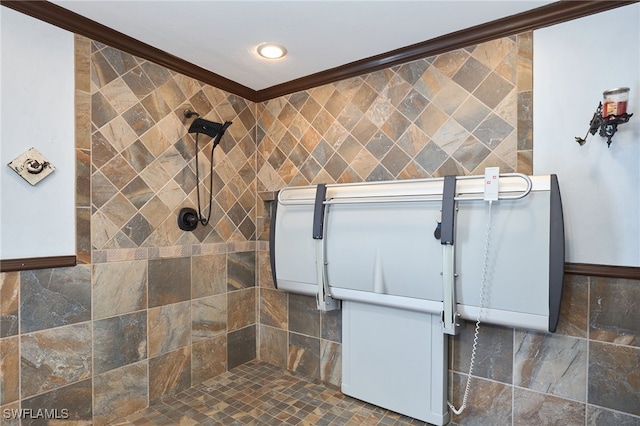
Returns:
<point x="187" y="219"/>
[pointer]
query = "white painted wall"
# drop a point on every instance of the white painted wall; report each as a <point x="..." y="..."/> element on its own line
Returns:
<point x="573" y="63"/>
<point x="37" y="110"/>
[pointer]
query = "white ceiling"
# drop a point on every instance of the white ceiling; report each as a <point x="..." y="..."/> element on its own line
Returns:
<point x="221" y="36"/>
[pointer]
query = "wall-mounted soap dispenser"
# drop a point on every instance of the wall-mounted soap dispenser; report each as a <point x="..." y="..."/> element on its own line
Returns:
<point x="611" y="112"/>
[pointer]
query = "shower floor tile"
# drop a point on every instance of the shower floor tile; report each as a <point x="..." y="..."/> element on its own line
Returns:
<point x="257" y="393"/>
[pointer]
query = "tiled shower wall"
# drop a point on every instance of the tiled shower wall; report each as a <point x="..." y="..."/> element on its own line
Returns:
<point x="154" y="310"/>
<point x="151" y="309"/>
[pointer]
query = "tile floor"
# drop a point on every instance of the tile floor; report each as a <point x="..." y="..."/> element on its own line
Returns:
<point x="257" y="393"/>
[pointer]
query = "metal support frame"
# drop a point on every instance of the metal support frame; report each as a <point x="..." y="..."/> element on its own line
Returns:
<point x="324" y="301"/>
<point x="449" y="313"/>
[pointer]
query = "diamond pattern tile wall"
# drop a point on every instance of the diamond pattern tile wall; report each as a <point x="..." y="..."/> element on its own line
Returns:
<point x="143" y="158"/>
<point x="452" y="113"/>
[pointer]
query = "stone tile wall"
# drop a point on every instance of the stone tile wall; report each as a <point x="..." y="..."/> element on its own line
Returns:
<point x="454" y="113"/>
<point x="575" y="376"/>
<point x="151" y="310"/>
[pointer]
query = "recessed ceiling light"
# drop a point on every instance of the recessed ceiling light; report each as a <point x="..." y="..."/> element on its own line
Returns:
<point x="271" y="50"/>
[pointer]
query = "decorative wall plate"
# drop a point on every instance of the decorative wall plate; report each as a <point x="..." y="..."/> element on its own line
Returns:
<point x="32" y="166"/>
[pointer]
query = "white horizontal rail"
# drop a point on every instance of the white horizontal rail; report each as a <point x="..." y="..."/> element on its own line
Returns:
<point x="419" y="193"/>
<point x="467" y="312"/>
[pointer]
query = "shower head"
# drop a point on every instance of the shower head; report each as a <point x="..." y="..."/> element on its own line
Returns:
<point x="188" y="218"/>
<point x="209" y="128"/>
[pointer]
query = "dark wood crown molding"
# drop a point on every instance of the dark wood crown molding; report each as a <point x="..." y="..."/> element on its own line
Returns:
<point x="544" y="16"/>
<point x="71" y="21"/>
<point x="547" y="15"/>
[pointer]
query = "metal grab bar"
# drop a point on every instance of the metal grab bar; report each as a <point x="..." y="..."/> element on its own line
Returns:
<point x="407" y="198"/>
